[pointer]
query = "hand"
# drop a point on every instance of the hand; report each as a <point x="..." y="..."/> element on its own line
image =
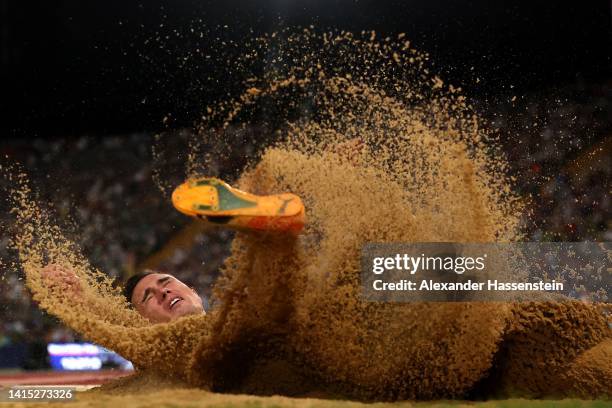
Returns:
<point x="62" y="278"/>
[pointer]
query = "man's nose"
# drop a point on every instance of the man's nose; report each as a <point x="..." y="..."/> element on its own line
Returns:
<point x="161" y="294"/>
<point x="165" y="292"/>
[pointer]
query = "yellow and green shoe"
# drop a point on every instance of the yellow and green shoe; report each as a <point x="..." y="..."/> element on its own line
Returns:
<point x="216" y="202"/>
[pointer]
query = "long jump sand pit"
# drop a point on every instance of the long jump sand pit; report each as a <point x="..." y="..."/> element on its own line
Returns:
<point x="390" y="154"/>
<point x="197" y="398"/>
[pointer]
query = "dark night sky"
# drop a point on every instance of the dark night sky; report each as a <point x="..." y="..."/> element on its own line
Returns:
<point x="72" y="67"/>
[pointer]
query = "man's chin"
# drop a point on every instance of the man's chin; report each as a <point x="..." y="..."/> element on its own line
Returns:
<point x="184" y="310"/>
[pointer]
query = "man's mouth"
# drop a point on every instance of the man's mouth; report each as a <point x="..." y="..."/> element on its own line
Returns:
<point x="175" y="301"/>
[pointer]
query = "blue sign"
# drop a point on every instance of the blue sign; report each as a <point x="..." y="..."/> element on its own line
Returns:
<point x="84" y="356"/>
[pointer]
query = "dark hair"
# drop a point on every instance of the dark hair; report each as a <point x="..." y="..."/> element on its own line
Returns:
<point x="131" y="283"/>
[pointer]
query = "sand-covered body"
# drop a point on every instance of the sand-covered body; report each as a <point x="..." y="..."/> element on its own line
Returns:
<point x="290" y="319"/>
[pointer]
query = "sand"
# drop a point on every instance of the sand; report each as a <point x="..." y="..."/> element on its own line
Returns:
<point x="194" y="397"/>
<point x="380" y="150"/>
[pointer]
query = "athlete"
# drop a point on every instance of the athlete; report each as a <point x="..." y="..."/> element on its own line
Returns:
<point x="157" y="296"/>
<point x="161" y="297"/>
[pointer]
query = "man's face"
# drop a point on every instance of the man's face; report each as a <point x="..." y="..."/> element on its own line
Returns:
<point x="162" y="298"/>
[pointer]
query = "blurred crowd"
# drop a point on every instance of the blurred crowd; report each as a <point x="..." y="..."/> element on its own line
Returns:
<point x="114" y="201"/>
<point x="559" y="147"/>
